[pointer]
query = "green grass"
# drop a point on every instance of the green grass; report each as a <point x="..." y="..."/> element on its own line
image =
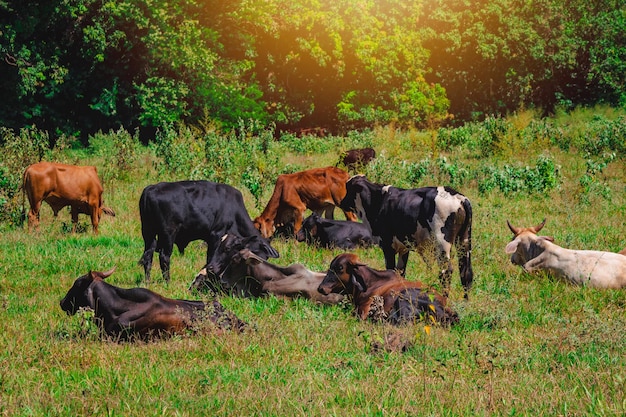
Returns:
<point x="526" y="345"/>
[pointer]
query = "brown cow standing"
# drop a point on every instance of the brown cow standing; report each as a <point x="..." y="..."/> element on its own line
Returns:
<point x="318" y="189"/>
<point x="62" y="185"/>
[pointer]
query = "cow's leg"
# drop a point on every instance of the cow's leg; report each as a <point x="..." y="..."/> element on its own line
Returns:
<point x="74" y="211"/>
<point x="329" y="212"/>
<point x="167" y="247"/>
<point x="390" y="256"/>
<point x="33" y="215"/>
<point x="464" y="253"/>
<point x="445" y="268"/>
<point x="146" y="259"/>
<point x="95" y="218"/>
<point x="403" y="260"/>
<point x="298" y="214"/>
<point x="350" y="216"/>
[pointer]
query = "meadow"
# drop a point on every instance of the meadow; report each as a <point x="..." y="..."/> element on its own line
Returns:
<point x="525" y="345"/>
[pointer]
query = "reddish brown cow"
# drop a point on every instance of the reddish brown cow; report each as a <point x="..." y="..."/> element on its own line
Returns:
<point x="62" y="185"/>
<point x="402" y="300"/>
<point x="319" y="189"/>
<point x="623" y="252"/>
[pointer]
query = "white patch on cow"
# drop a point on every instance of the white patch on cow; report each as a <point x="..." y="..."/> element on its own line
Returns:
<point x="223" y="238"/>
<point x="385" y="189"/>
<point x="445" y="205"/>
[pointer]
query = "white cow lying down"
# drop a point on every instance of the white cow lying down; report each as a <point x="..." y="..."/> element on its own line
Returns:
<point x="581" y="267"/>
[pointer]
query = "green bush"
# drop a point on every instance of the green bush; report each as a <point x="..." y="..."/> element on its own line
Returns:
<point x="510" y="179"/>
<point x="18" y="152"/>
<point x="120" y="150"/>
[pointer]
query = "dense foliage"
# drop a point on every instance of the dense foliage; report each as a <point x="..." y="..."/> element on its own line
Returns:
<point x="76" y="67"/>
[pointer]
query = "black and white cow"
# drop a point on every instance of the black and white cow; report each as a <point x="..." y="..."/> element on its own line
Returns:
<point x="416" y="219"/>
<point x="181" y="212"/>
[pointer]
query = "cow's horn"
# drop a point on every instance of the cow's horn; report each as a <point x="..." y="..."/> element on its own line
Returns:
<point x="515" y="230"/>
<point x="537" y="228"/>
<point x="108" y="273"/>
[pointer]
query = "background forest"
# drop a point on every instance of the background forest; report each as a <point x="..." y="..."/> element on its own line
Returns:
<point x="76" y="67"/>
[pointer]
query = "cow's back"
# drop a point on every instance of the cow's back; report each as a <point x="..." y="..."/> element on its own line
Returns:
<point x="321" y="185"/>
<point x="194" y="209"/>
<point x="68" y="182"/>
<point x="420" y="205"/>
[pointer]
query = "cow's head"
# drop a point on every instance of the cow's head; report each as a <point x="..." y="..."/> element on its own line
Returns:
<point x="341" y="277"/>
<point x="226" y="264"/>
<point x="226" y="254"/>
<point x="80" y="295"/>
<point x="361" y="195"/>
<point x="308" y="231"/>
<point x="526" y="245"/>
<point x="265" y="226"/>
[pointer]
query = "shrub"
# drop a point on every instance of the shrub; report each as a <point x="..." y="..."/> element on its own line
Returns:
<point x="18" y="152"/>
<point x="416" y="171"/>
<point x="510" y="179"/>
<point x="119" y="149"/>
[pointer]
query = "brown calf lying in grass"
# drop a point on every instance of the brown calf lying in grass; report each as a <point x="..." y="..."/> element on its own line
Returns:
<point x="592" y="268"/>
<point x="403" y="301"/>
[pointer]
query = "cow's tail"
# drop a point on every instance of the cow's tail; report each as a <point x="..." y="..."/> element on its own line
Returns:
<point x="23" y="190"/>
<point x="108" y="211"/>
<point x="464" y="248"/>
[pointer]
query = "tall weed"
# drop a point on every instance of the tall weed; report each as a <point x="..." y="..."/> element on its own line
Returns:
<point x="19" y="151"/>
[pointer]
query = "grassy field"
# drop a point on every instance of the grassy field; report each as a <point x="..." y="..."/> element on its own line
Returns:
<point x="525" y="345"/>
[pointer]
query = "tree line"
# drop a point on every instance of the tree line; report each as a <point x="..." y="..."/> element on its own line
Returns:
<point x="76" y="67"/>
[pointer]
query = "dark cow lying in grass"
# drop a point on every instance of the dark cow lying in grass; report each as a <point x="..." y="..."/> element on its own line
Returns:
<point x="330" y="233"/>
<point x="236" y="268"/>
<point x="403" y="301"/>
<point x="122" y="313"/>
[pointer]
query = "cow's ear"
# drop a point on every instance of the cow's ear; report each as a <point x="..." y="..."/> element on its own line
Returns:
<point x="250" y="257"/>
<point x="358" y="282"/>
<point x="512" y="246"/>
<point x="246" y="240"/>
<point x="271" y="252"/>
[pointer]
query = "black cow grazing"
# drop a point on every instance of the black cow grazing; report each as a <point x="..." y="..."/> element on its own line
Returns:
<point x="122" y="313"/>
<point x="356" y="158"/>
<point x="334" y="233"/>
<point x="180" y="212"/>
<point x="235" y="268"/>
<point x="416" y="219"/>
